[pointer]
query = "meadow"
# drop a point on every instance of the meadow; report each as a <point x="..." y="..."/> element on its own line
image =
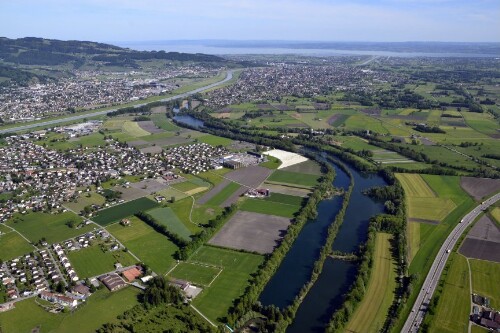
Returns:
<point x="94" y="261"/>
<point x="12" y="245"/>
<point x="215" y="140"/>
<point x="215" y="301"/>
<point x="285" y="199"/>
<point x="84" y="200"/>
<point x="269" y="207"/>
<point x="52" y="227"/>
<point x="485" y="276"/>
<point x="224" y="194"/>
<point x="167" y="217"/>
<point x="293" y="178"/>
<point x="116" y="213"/>
<point x="102" y="307"/>
<point x="154" y="249"/>
<point x="371" y="313"/>
<point x="452" y="311"/>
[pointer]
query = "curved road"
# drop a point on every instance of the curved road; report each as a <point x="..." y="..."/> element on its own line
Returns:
<point x="229" y="76"/>
<point x="416" y="316"/>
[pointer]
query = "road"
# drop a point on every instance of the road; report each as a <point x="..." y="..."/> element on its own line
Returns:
<point x="419" y="309"/>
<point x="229" y="76"/>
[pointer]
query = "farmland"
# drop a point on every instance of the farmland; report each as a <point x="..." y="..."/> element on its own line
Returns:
<point x="12" y="245"/>
<point x="269" y="208"/>
<point x="224" y="194"/>
<point x="485" y="280"/>
<point x="52" y="227"/>
<point x="370" y="315"/>
<point x="294" y="178"/>
<point x="91" y="198"/>
<point x="94" y="260"/>
<point x="215" y="140"/>
<point x="230" y="284"/>
<point x="452" y="311"/>
<point x="102" y="307"/>
<point x="167" y="217"/>
<point x="116" y="213"/>
<point x="154" y="249"/>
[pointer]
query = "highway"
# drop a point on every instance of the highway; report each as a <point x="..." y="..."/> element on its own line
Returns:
<point x="229" y="76"/>
<point x="416" y="316"/>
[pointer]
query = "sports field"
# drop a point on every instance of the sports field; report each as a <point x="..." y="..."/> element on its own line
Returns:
<point x="52" y="227"/>
<point x="215" y="301"/>
<point x="94" y="261"/>
<point x="223" y="194"/>
<point x="12" y="245"/>
<point x="452" y="311"/>
<point x="269" y="207"/>
<point x="185" y="186"/>
<point x="153" y="248"/>
<point x="102" y="307"/>
<point x="116" y="213"/>
<point x="294" y="178"/>
<point x="167" y="217"/>
<point x="485" y="280"/>
<point x="371" y="313"/>
<point x="195" y="273"/>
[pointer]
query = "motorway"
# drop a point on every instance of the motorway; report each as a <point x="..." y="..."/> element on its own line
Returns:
<point x="419" y="309"/>
<point x="229" y="76"/>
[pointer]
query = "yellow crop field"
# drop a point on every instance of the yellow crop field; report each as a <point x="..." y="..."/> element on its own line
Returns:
<point x="415" y="186"/>
<point x="433" y="209"/>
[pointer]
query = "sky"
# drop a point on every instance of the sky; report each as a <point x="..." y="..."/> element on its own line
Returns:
<point x="298" y="20"/>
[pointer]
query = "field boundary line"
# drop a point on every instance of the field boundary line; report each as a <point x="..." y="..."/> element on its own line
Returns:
<point x="20" y="234"/>
<point x="470" y="289"/>
<point x="192" y="205"/>
<point x="215" y="277"/>
<point x="201" y="314"/>
<point x="170" y="271"/>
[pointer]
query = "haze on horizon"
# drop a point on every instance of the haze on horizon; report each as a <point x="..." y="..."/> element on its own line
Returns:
<point x="297" y="20"/>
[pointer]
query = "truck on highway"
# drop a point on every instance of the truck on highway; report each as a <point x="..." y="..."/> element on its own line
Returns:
<point x="448" y="251"/>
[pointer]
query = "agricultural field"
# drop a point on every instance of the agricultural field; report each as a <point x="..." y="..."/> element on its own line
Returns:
<point x="485" y="280"/>
<point x="12" y="245"/>
<point x="220" y="197"/>
<point x="293" y="178"/>
<point x="285" y="199"/>
<point x="52" y="227"/>
<point x="453" y="309"/>
<point x="154" y="249"/>
<point x="237" y="268"/>
<point x="198" y="274"/>
<point x="309" y="167"/>
<point x="164" y="123"/>
<point x="102" y="307"/>
<point x="271" y="163"/>
<point x="133" y="129"/>
<point x="116" y="213"/>
<point x="371" y="313"/>
<point x="215" y="140"/>
<point x="269" y="208"/>
<point x="167" y="217"/>
<point x="94" y="261"/>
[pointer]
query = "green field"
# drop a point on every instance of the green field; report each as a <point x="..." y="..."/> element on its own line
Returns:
<point x="133" y="129"/>
<point x="215" y="301"/>
<point x="293" y="178"/>
<point x="116" y="213"/>
<point x="167" y="217"/>
<point x="12" y="245"/>
<point x="215" y="140"/>
<point x="271" y="163"/>
<point x="485" y="280"/>
<point x="163" y="122"/>
<point x="185" y="186"/>
<point x="269" y="207"/>
<point x="224" y="194"/>
<point x="84" y="200"/>
<point x="452" y="311"/>
<point x="94" y="261"/>
<point x="154" y="249"/>
<point x="197" y="274"/>
<point x="102" y="307"/>
<point x="371" y="313"/>
<point x="285" y="199"/>
<point x="309" y="167"/>
<point x="415" y="186"/>
<point x="53" y="227"/>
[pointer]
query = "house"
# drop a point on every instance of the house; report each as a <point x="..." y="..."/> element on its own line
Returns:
<point x="81" y="289"/>
<point x="125" y="222"/>
<point x="113" y="281"/>
<point x="132" y="274"/>
<point x="181" y="284"/>
<point x="58" y="299"/>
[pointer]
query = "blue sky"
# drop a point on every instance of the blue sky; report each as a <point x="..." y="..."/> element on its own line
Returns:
<point x="320" y="20"/>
